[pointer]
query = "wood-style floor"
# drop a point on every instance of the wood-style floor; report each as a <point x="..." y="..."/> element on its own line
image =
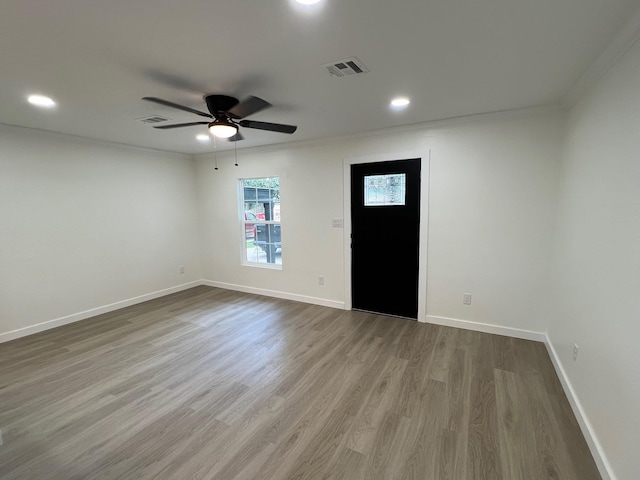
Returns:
<point x="215" y="384"/>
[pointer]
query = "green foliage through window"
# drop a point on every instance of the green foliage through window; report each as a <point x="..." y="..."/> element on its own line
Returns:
<point x="268" y="182"/>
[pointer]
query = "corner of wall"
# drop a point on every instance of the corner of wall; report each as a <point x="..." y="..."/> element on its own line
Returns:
<point x="585" y="426"/>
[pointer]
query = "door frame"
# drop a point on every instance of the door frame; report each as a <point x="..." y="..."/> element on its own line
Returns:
<point x="425" y="162"/>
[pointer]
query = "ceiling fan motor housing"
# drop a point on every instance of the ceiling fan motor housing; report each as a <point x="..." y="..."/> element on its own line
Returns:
<point x="220" y="104"/>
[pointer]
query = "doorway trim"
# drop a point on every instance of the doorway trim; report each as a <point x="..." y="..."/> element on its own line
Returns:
<point x="425" y="171"/>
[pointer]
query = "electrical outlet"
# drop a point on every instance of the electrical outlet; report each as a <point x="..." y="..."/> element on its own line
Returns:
<point x="320" y="279"/>
<point x="575" y="352"/>
<point x="466" y="299"/>
<point x="181" y="269"/>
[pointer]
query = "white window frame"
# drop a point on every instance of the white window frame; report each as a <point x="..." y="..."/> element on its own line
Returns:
<point x="244" y="222"/>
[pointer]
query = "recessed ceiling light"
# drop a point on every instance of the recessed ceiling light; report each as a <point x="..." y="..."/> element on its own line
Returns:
<point x="307" y="2"/>
<point x="400" y="102"/>
<point x="203" y="137"/>
<point x="41" y="101"/>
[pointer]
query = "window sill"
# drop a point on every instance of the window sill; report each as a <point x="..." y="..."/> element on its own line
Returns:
<point x="268" y="266"/>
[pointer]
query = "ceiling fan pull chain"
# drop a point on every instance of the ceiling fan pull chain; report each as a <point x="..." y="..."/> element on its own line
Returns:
<point x="235" y="150"/>
<point x="215" y="152"/>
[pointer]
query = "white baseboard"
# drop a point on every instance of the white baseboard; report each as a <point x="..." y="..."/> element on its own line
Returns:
<point x="587" y="429"/>
<point x="76" y="317"/>
<point x="277" y="294"/>
<point x="604" y="467"/>
<point x="487" y="328"/>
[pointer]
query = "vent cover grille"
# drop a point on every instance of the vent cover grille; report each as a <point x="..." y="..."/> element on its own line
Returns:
<point x="346" y="67"/>
<point x="153" y="119"/>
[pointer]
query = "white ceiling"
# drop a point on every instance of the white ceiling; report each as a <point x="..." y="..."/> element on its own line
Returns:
<point x="451" y="57"/>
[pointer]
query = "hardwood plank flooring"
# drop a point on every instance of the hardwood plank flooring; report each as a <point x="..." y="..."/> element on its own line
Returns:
<point x="214" y="384"/>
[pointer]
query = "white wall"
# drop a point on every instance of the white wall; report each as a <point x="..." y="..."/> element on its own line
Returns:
<point x="85" y="224"/>
<point x="491" y="210"/>
<point x="597" y="262"/>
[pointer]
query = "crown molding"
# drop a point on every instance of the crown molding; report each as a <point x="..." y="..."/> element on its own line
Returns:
<point x="18" y="129"/>
<point x="621" y="43"/>
<point x="424" y="127"/>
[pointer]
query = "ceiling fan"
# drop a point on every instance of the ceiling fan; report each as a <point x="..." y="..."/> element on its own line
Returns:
<point x="224" y="113"/>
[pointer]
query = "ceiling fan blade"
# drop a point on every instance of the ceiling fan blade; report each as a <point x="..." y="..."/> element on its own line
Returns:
<point x="236" y="138"/>
<point x="175" y="105"/>
<point x="272" y="127"/>
<point x="248" y="106"/>
<point x="180" y="125"/>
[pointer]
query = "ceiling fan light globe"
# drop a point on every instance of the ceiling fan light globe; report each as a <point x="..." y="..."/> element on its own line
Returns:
<point x="223" y="130"/>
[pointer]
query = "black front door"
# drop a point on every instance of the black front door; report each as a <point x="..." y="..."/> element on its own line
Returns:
<point x="385" y="226"/>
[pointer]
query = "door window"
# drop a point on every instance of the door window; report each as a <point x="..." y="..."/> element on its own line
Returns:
<point x="384" y="190"/>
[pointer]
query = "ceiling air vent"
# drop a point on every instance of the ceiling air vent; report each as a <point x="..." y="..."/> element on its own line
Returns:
<point x="153" y="119"/>
<point x="346" y="67"/>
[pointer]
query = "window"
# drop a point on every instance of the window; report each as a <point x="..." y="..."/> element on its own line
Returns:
<point x="384" y="190"/>
<point x="260" y="218"/>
